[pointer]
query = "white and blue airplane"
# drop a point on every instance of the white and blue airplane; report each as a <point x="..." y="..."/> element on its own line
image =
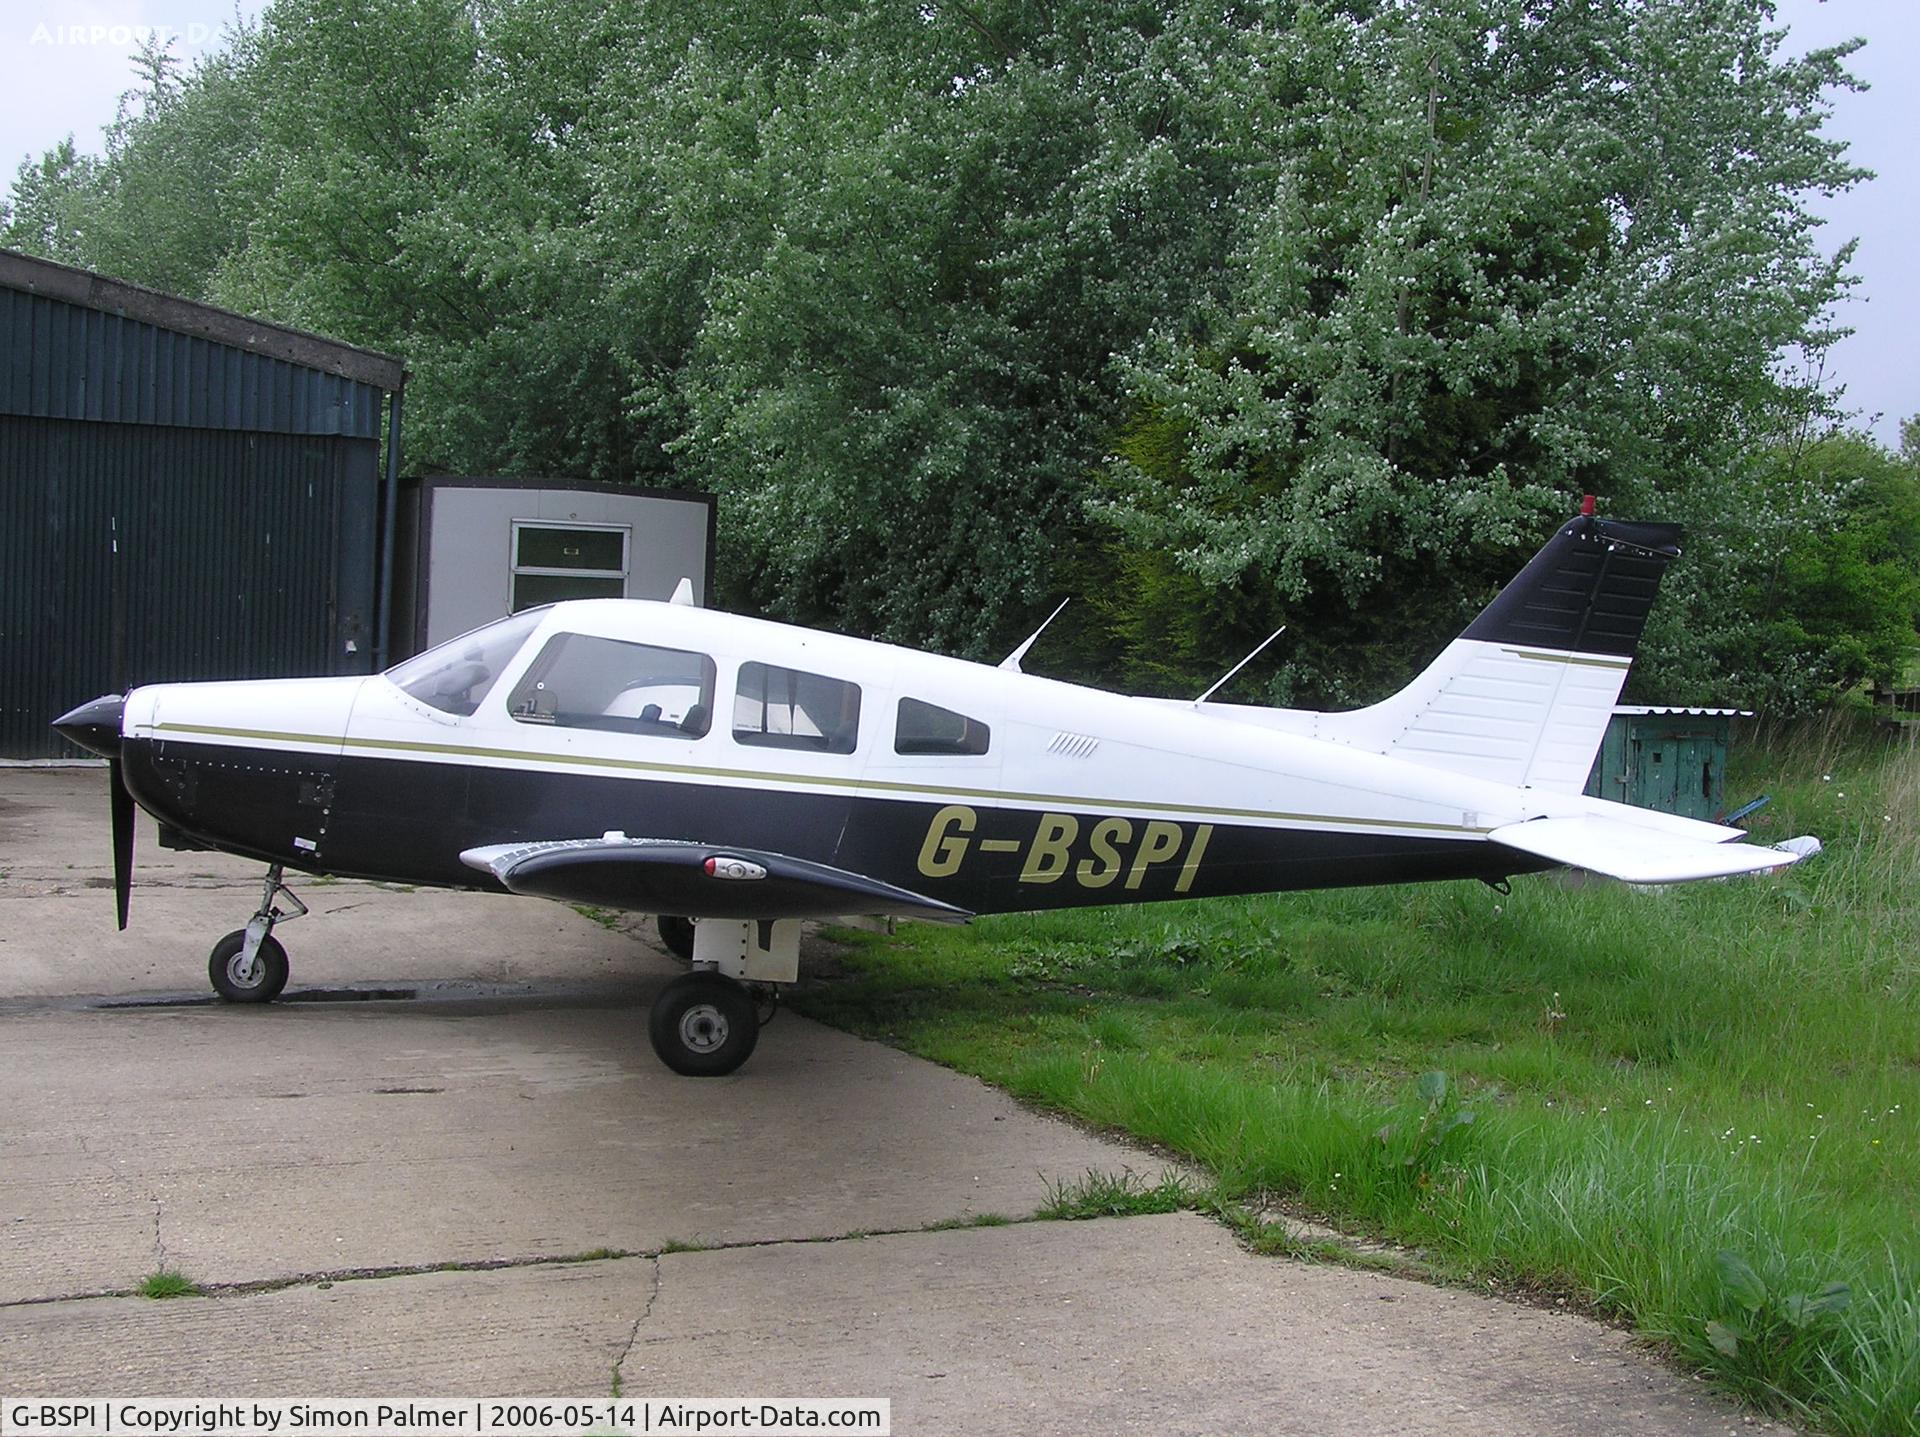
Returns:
<point x="741" y="776"/>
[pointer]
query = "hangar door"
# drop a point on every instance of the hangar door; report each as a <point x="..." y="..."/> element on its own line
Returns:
<point x="137" y="553"/>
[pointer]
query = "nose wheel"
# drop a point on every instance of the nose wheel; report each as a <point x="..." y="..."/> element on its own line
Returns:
<point x="240" y="981"/>
<point x="249" y="965"/>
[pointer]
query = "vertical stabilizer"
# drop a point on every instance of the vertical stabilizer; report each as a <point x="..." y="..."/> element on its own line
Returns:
<point x="1524" y="695"/>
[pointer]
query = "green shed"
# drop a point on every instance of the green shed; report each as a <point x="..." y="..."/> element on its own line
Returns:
<point x="1665" y="758"/>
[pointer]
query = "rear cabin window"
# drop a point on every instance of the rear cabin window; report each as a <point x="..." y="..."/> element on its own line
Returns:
<point x="927" y="728"/>
<point x="787" y="708"/>
<point x="583" y="681"/>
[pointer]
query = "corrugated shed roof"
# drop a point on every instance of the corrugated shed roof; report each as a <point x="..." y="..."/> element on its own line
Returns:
<point x="63" y="361"/>
<point x="30" y="274"/>
<point x="76" y="345"/>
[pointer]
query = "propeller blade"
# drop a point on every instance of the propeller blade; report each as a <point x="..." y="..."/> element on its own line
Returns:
<point x="96" y="728"/>
<point x="121" y="803"/>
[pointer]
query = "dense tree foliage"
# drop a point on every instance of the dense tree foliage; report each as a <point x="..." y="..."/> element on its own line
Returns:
<point x="1836" y="605"/>
<point x="1218" y="316"/>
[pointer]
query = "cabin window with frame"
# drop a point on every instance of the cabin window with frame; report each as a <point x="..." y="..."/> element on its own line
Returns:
<point x="787" y="708"/>
<point x="584" y="681"/>
<point x="455" y="676"/>
<point x="922" y="728"/>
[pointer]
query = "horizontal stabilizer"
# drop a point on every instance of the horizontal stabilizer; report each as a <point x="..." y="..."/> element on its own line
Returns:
<point x="1635" y="853"/>
<point x="696" y="880"/>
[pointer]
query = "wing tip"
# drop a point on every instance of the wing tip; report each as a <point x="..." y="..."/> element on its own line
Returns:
<point x="1800" y="849"/>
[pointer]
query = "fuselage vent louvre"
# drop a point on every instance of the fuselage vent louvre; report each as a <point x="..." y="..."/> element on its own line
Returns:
<point x="1073" y="745"/>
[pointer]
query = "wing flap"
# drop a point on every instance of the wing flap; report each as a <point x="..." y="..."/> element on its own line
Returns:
<point x="1635" y="853"/>
<point x="696" y="880"/>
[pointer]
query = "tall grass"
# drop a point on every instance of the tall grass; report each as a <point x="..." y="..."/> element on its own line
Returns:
<point x="1697" y="1110"/>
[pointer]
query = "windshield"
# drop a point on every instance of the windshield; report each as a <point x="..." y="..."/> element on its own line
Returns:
<point x="457" y="675"/>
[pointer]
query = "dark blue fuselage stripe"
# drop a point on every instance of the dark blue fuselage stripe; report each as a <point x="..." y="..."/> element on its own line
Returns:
<point x="408" y="821"/>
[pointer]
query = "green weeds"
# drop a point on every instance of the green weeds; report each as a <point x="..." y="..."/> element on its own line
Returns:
<point x="1776" y="1339"/>
<point x="979" y="1219"/>
<point x="1116" y="1195"/>
<point x="166" y="1283"/>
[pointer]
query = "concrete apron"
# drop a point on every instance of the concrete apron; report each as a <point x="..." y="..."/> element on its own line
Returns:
<point x="316" y="1159"/>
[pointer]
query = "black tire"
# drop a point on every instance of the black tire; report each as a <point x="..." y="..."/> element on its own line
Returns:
<point x="269" y="972"/>
<point x="677" y="934"/>
<point x="703" y="1025"/>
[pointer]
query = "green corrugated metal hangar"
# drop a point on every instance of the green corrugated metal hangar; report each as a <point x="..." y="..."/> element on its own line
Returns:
<point x="185" y="493"/>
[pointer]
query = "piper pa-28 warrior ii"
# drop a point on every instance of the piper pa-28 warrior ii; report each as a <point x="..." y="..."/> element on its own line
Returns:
<point x="747" y="775"/>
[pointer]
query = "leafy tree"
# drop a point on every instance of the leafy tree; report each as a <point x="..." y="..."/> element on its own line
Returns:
<point x="1511" y="253"/>
<point x="516" y="364"/>
<point x="1304" y="311"/>
<point x="164" y="206"/>
<point x="957" y="218"/>
<point x="1839" y="604"/>
<point x="347" y="89"/>
<point x="52" y="208"/>
<point x="178" y="202"/>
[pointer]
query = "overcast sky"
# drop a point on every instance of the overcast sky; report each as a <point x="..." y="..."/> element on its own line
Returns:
<point x="64" y="64"/>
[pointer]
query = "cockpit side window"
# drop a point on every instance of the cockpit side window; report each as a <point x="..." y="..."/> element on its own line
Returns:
<point x="583" y="681"/>
<point x="787" y="708"/>
<point x="921" y="728"/>
<point x="456" y="676"/>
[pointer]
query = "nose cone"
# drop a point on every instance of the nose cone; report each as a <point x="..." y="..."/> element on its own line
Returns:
<point x="94" y="726"/>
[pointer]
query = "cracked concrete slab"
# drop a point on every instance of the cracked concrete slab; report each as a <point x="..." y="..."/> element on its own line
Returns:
<point x="302" y="1137"/>
<point x="1123" y="1324"/>
<point x="1159" y="1324"/>
<point x="57" y="933"/>
<point x="530" y="1331"/>
<point x="286" y="1140"/>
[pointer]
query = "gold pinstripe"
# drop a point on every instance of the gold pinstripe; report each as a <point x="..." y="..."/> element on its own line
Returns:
<point x="807" y="780"/>
<point x="1583" y="660"/>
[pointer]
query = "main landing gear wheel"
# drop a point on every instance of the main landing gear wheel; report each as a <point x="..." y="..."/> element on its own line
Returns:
<point x="704" y="1025"/>
<point x="677" y="935"/>
<point x="233" y="979"/>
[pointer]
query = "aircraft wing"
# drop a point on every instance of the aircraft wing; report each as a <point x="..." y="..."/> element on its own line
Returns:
<point x="696" y="880"/>
<point x="1635" y="853"/>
